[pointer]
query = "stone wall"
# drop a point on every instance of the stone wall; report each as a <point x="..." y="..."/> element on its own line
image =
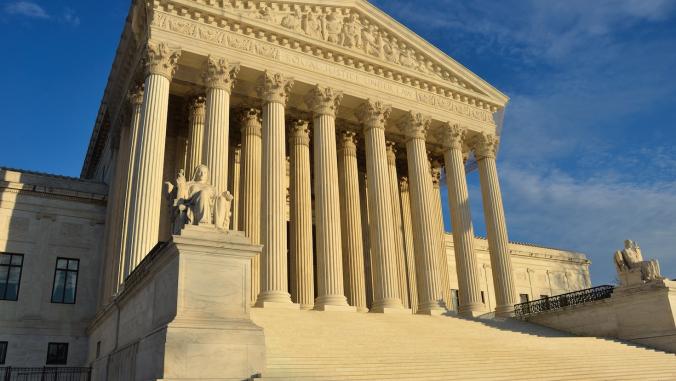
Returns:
<point x="44" y="217"/>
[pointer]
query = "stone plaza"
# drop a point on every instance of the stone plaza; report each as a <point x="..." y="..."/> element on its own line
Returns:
<point x="262" y="188"/>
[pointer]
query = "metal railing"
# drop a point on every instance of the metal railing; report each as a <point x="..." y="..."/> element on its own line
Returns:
<point x="564" y="300"/>
<point x="45" y="374"/>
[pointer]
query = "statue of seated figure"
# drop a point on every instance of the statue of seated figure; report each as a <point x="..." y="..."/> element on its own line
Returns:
<point x="632" y="269"/>
<point x="197" y="202"/>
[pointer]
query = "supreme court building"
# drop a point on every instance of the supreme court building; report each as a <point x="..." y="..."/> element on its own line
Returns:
<point x="331" y="125"/>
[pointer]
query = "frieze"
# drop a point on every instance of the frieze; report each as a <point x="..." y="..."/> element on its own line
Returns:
<point x="308" y="62"/>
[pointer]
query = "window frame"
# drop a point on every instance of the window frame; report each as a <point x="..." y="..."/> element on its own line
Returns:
<point x="67" y="271"/>
<point x="9" y="268"/>
<point x="521" y="297"/>
<point x="4" y="345"/>
<point x="49" y="345"/>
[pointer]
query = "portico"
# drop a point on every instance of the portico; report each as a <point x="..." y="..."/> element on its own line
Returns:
<point x="354" y="94"/>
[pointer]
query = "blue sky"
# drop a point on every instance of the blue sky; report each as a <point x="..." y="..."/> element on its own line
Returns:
<point x="588" y="155"/>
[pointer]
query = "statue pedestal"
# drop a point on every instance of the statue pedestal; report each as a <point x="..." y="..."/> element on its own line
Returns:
<point x="184" y="313"/>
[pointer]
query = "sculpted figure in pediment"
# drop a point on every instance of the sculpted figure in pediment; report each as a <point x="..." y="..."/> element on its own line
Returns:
<point x="372" y="41"/>
<point x="351" y="33"/>
<point x="312" y="25"/>
<point x="265" y="14"/>
<point x="293" y="21"/>
<point x="391" y="50"/>
<point x="333" y="25"/>
<point x="407" y="57"/>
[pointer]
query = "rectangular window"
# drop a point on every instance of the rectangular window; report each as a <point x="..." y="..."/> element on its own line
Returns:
<point x="57" y="354"/>
<point x="483" y="297"/>
<point x="3" y="352"/>
<point x="455" y="299"/>
<point x="524" y="298"/>
<point x="10" y="275"/>
<point x="65" y="280"/>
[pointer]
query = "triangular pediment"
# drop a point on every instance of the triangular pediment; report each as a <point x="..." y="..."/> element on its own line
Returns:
<point x="357" y="30"/>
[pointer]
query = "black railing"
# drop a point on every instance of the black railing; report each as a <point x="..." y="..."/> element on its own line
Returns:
<point x="45" y="374"/>
<point x="559" y="301"/>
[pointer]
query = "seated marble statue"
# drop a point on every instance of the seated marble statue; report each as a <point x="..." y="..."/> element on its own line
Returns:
<point x="632" y="269"/>
<point x="197" y="202"/>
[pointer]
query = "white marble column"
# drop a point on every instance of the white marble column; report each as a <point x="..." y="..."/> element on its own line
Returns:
<point x="435" y="174"/>
<point x="466" y="263"/>
<point x="235" y="180"/>
<point x="302" y="271"/>
<point x="323" y="102"/>
<point x="353" y="242"/>
<point x="398" y="227"/>
<point x="274" y="89"/>
<point x="408" y="241"/>
<point x="485" y="146"/>
<point x="219" y="76"/>
<point x="250" y="202"/>
<point x="196" y="113"/>
<point x="146" y="186"/>
<point x="425" y="233"/>
<point x="366" y="238"/>
<point x="387" y="298"/>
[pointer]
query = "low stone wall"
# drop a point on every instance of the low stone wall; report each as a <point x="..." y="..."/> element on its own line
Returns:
<point x="644" y="314"/>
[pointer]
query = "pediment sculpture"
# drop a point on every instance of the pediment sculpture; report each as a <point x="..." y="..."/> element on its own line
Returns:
<point x="197" y="202"/>
<point x="632" y="269"/>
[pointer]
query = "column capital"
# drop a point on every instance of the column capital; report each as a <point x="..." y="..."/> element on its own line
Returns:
<point x="219" y="73"/>
<point x="347" y="142"/>
<point x="136" y="95"/>
<point x="414" y="125"/>
<point x="435" y="172"/>
<point x="274" y="87"/>
<point x="453" y="136"/>
<point x="251" y="121"/>
<point x="161" y="59"/>
<point x="484" y="145"/>
<point x="391" y="150"/>
<point x="299" y="132"/>
<point x="324" y="100"/>
<point x="196" y="107"/>
<point x="373" y="114"/>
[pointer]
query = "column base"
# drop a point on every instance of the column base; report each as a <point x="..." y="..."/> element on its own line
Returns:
<point x="504" y="311"/>
<point x="277" y="305"/>
<point x="471" y="310"/>
<point x="330" y="301"/>
<point x="391" y="311"/>
<point x="275" y="299"/>
<point x="434" y="308"/>
<point x="362" y="309"/>
<point x="307" y="307"/>
<point x="332" y="308"/>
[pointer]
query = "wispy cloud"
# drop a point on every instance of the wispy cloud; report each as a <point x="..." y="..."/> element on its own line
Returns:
<point x="27" y="9"/>
<point x="33" y="10"/>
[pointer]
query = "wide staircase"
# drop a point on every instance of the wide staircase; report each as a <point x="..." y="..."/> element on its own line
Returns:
<point x="309" y="345"/>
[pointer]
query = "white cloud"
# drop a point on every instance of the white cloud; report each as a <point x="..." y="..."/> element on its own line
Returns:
<point x="26" y="8"/>
<point x="70" y="17"/>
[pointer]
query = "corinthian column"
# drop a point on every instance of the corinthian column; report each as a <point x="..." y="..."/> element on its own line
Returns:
<point x="435" y="173"/>
<point x="466" y="262"/>
<point x="408" y="241"/>
<point x="196" y="120"/>
<point x="385" y="269"/>
<point x="146" y="188"/>
<point x="425" y="233"/>
<point x="323" y="102"/>
<point x="484" y="146"/>
<point x="219" y="76"/>
<point x="274" y="90"/>
<point x="250" y="200"/>
<point x="125" y="261"/>
<point x="302" y="272"/>
<point x="398" y="228"/>
<point x="353" y="244"/>
<point x="235" y="184"/>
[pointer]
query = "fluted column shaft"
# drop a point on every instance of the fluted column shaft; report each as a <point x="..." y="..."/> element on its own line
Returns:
<point x="467" y="267"/>
<point x="302" y="272"/>
<point x="324" y="103"/>
<point x="274" y="90"/>
<point x="383" y="246"/>
<point x="146" y="187"/>
<point x="196" y="114"/>
<point x="235" y="181"/>
<point x="219" y="77"/>
<point x="439" y="219"/>
<point x="250" y="200"/>
<point x="353" y="242"/>
<point x="398" y="228"/>
<point x="496" y="228"/>
<point x="408" y="241"/>
<point x="425" y="233"/>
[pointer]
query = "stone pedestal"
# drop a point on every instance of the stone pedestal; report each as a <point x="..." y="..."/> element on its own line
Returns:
<point x="184" y="313"/>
